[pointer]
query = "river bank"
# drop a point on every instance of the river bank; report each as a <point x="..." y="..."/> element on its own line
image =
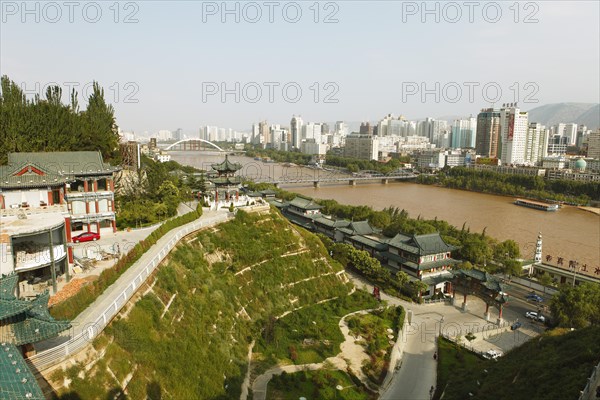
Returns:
<point x="571" y="233"/>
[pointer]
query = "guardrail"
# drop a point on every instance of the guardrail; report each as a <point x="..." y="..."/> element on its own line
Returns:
<point x="589" y="392"/>
<point x="55" y="355"/>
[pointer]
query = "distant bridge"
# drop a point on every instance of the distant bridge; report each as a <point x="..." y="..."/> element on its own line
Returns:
<point x="352" y="180"/>
<point x="192" y="144"/>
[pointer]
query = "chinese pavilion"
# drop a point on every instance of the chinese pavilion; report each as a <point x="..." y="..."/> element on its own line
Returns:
<point x="227" y="185"/>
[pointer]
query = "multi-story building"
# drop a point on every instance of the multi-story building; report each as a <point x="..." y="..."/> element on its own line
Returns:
<point x="431" y="159"/>
<point x="365" y="128"/>
<point x="513" y="133"/>
<point x="341" y="128"/>
<point x="312" y="130"/>
<point x="412" y="143"/>
<point x="536" y="144"/>
<point x="594" y="145"/>
<point x="78" y="186"/>
<point x="362" y="146"/>
<point x="570" y="133"/>
<point x="505" y="169"/>
<point x="296" y="131"/>
<point x="463" y="133"/>
<point x="310" y="146"/>
<point x="488" y="133"/>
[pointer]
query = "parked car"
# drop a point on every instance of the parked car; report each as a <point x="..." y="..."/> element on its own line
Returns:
<point x="516" y="326"/>
<point x="492" y="354"/>
<point x="534" y="297"/>
<point x="535" y="316"/>
<point x="86" y="237"/>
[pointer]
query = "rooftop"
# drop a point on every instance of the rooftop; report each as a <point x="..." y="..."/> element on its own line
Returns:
<point x="13" y="226"/>
<point x="16" y="380"/>
<point x="71" y="163"/>
<point x="226" y="166"/>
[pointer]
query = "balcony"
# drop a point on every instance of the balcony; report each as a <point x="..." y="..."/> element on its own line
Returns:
<point x="89" y="196"/>
<point x="27" y="261"/>
<point x="19" y="209"/>
<point x="96" y="217"/>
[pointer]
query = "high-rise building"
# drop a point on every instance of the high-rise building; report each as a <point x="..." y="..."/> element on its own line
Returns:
<point x="488" y="133"/>
<point x="296" y="131"/>
<point x="536" y="143"/>
<point x="570" y="132"/>
<point x="463" y="133"/>
<point x="582" y="132"/>
<point x="324" y="129"/>
<point x="341" y="128"/>
<point x="311" y="131"/>
<point x="264" y="132"/>
<point x="366" y="128"/>
<point x="363" y="146"/>
<point x="594" y="145"/>
<point x="513" y="133"/>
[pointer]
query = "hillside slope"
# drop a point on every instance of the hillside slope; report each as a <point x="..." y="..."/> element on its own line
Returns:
<point x="580" y="113"/>
<point x="188" y="336"/>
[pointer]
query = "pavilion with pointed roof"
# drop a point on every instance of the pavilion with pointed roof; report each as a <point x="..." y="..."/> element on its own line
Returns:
<point x="22" y="323"/>
<point x="227" y="185"/>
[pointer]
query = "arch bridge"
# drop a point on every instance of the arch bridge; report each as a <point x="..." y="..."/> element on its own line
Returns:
<point x="192" y="144"/>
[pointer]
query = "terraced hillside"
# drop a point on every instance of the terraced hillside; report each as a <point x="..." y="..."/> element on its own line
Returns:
<point x="187" y="337"/>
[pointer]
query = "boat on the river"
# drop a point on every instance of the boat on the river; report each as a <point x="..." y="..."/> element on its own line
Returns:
<point x="538" y="205"/>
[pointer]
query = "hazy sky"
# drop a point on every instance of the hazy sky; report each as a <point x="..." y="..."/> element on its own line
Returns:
<point x="164" y="64"/>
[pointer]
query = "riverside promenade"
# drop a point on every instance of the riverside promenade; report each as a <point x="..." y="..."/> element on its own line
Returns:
<point x="91" y="322"/>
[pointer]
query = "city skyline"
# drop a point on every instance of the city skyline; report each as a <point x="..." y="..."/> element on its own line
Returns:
<point x="177" y="62"/>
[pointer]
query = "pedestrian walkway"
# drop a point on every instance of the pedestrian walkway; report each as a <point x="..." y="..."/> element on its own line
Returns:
<point x="92" y="321"/>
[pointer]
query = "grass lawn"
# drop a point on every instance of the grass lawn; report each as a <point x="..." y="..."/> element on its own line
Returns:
<point x="312" y="334"/>
<point x="319" y="384"/>
<point x="373" y="328"/>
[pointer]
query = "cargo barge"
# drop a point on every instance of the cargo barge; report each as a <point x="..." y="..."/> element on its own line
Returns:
<point x="537" y="205"/>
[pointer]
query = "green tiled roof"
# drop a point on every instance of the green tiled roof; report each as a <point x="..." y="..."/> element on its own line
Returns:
<point x="374" y="244"/>
<point x="487" y="280"/>
<point x="359" y="228"/>
<point x="227" y="180"/>
<point x="305" y="204"/>
<point x="16" y="379"/>
<point x="8" y="283"/>
<point x="421" y="245"/>
<point x="332" y="223"/>
<point x="26" y="321"/>
<point x="10" y="308"/>
<point x="226" y="166"/>
<point x="71" y="163"/>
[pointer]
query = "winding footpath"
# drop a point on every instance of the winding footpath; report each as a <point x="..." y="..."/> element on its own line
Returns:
<point x="351" y="356"/>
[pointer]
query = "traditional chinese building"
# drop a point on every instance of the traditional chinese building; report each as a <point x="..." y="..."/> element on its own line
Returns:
<point x="22" y="323"/>
<point x="78" y="185"/>
<point x="227" y="185"/>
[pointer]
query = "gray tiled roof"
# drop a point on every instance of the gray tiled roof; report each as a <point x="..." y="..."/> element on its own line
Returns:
<point x="72" y="163"/>
<point x="421" y="244"/>
<point x="305" y="204"/>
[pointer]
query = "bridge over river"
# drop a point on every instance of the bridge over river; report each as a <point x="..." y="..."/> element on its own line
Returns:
<point x="352" y="180"/>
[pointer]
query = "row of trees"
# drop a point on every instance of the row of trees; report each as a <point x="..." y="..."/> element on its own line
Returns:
<point x="577" y="307"/>
<point x="153" y="193"/>
<point x="279" y="156"/>
<point x="355" y="165"/>
<point x="475" y="248"/>
<point x="514" y="185"/>
<point x="46" y="124"/>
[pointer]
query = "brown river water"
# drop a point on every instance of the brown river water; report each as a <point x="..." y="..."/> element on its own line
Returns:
<point x="570" y="233"/>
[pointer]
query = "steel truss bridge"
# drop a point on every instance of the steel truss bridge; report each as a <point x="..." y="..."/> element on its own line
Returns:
<point x="352" y="180"/>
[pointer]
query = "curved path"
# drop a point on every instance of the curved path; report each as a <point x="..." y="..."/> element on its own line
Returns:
<point x="351" y="356"/>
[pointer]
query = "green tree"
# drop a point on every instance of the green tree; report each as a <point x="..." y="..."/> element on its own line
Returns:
<point x="577" y="307"/>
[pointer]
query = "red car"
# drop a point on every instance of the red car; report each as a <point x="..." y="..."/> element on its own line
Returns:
<point x="86" y="237"/>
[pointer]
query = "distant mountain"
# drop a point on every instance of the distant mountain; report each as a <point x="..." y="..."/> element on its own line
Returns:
<point x="580" y="113"/>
